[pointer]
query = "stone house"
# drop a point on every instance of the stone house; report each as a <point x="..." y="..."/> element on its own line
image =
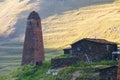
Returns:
<point x="62" y="62"/>
<point x="109" y="73"/>
<point x="89" y="49"/>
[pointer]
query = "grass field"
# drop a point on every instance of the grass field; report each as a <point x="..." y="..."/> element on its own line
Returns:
<point x="11" y="55"/>
<point x="79" y="71"/>
<point x="101" y="21"/>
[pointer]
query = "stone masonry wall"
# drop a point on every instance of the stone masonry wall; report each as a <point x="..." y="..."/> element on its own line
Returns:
<point x="108" y="73"/>
<point x="62" y="62"/>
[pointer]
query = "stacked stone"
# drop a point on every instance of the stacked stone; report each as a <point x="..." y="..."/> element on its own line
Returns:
<point x="62" y="62"/>
<point x="33" y="51"/>
<point x="118" y="70"/>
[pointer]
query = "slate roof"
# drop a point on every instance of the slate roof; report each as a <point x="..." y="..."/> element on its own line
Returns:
<point x="101" y="41"/>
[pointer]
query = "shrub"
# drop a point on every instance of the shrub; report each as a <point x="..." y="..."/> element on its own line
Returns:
<point x="24" y="71"/>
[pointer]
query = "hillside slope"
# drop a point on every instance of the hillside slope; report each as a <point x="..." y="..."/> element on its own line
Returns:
<point x="13" y="13"/>
<point x="60" y="30"/>
<point x="102" y="21"/>
<point x="10" y="13"/>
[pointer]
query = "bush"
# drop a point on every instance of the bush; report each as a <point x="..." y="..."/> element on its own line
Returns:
<point x="24" y="71"/>
<point x="7" y="77"/>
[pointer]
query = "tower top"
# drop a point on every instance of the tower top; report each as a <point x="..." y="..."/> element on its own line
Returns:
<point x="33" y="15"/>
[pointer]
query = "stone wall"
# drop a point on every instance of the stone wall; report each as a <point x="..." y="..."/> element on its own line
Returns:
<point x="62" y="62"/>
<point x="33" y="50"/>
<point x="109" y="73"/>
<point x="93" y="51"/>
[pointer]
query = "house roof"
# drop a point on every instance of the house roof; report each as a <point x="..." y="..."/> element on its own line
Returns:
<point x="102" y="41"/>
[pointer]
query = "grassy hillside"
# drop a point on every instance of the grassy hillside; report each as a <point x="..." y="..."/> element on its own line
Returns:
<point x="9" y="14"/>
<point x="11" y="56"/>
<point x="13" y="13"/>
<point x="102" y="21"/>
<point x="79" y="71"/>
<point x="60" y="30"/>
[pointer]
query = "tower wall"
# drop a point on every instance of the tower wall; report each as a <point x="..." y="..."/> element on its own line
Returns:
<point x="33" y="51"/>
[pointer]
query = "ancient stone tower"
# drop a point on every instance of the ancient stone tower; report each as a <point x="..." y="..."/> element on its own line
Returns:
<point x="33" y="51"/>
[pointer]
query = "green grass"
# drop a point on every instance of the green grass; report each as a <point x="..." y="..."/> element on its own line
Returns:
<point x="64" y="56"/>
<point x="11" y="55"/>
<point x="31" y="72"/>
<point x="66" y="73"/>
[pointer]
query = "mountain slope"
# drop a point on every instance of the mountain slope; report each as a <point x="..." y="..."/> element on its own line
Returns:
<point x="10" y="13"/>
<point x="60" y="30"/>
<point x="102" y="21"/>
<point x="13" y="13"/>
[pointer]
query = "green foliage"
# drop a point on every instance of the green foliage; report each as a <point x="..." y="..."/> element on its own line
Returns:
<point x="7" y="77"/>
<point x="10" y="57"/>
<point x="64" y="56"/>
<point x="24" y="71"/>
<point x="31" y="72"/>
<point x="86" y="70"/>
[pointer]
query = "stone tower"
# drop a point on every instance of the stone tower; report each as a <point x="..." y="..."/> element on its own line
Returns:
<point x="33" y="51"/>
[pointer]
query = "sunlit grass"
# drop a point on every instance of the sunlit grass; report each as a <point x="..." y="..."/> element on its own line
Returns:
<point x="100" y="21"/>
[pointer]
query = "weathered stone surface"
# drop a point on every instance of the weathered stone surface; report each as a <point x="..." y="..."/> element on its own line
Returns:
<point x="109" y="73"/>
<point x="33" y="51"/>
<point x="89" y="49"/>
<point x="62" y="62"/>
<point x="118" y="70"/>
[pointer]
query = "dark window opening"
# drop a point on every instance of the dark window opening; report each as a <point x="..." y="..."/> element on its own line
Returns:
<point x="39" y="63"/>
<point x="37" y="24"/>
<point x="30" y="23"/>
<point x="109" y="78"/>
